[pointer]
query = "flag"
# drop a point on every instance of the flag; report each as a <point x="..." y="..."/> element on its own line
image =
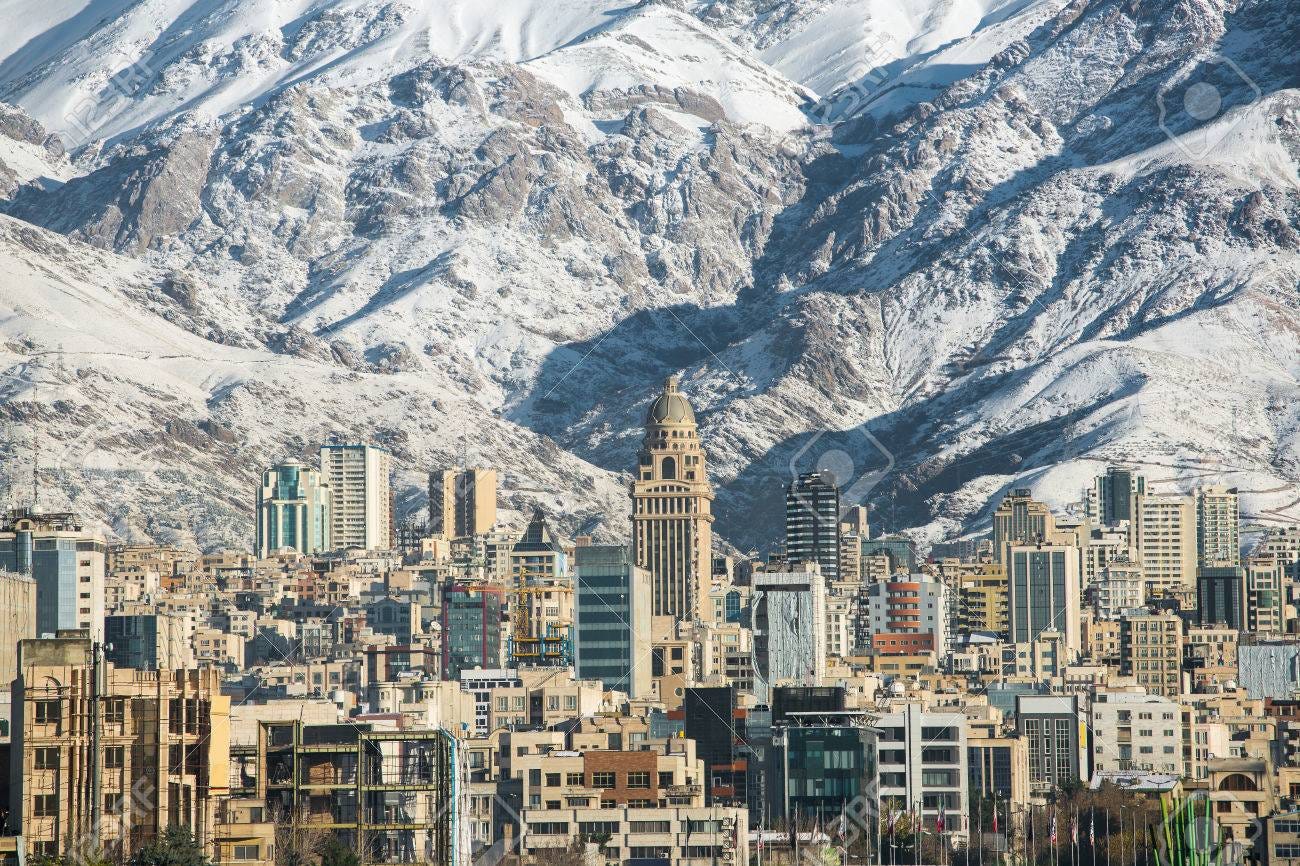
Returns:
<point x="995" y="817"/>
<point x="1092" y="828"/>
<point x="1074" y="829"/>
<point x="1053" y="834"/>
<point x="938" y="822"/>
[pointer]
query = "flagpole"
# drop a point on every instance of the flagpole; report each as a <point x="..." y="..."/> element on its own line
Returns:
<point x="1031" y="856"/>
<point x="1106" y="812"/>
<point x="917" y="830"/>
<point x="880" y="855"/>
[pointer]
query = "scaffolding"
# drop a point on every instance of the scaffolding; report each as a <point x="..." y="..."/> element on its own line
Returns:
<point x="536" y="639"/>
<point x="389" y="795"/>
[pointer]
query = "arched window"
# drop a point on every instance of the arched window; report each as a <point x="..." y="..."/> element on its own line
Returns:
<point x="1238" y="782"/>
<point x="669" y="467"/>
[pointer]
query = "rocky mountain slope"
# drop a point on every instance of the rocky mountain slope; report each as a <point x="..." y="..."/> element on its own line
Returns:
<point x="941" y="252"/>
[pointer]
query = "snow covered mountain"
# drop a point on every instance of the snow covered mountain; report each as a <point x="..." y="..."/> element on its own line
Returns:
<point x="942" y="250"/>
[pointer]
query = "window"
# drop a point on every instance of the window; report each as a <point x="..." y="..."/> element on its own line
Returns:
<point x="552" y="780"/>
<point x="45" y="805"/>
<point x="112" y="804"/>
<point x="47" y="712"/>
<point x="113" y="757"/>
<point x="665" y="780"/>
<point x="640" y="804"/>
<point x="651" y="827"/>
<point x="246" y="852"/>
<point x="638" y="780"/>
<point x="115" y="710"/>
<point x="574" y="780"/>
<point x="47" y="758"/>
<point x="602" y="780"/>
<point x="550" y="828"/>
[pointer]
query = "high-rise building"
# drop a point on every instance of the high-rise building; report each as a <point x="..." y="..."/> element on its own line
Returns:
<point x="1152" y="652"/>
<point x="999" y="762"/>
<point x="161" y="748"/>
<point x="1112" y="497"/>
<point x="1218" y="521"/>
<point x="789" y="624"/>
<point x="923" y="764"/>
<point x="1020" y="519"/>
<point x="612" y="619"/>
<point x="67" y="563"/>
<point x="1265" y="595"/>
<point x="915" y="606"/>
<point x="360" y="495"/>
<point x="471" y="628"/>
<point x="899" y="550"/>
<point x="17" y="620"/>
<point x="1043" y="593"/>
<point x="672" y="500"/>
<point x="147" y="642"/>
<point x="537" y="555"/>
<point x="812" y="523"/>
<point x="1053" y="728"/>
<point x="1221" y="596"/>
<point x="293" y="510"/>
<point x="462" y="502"/>
<point x="1120" y="588"/>
<point x="1165" y="539"/>
<point x="982" y="598"/>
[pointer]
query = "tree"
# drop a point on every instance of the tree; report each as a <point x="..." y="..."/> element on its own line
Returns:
<point x="335" y="853"/>
<point x="175" y="847"/>
<point x="574" y="855"/>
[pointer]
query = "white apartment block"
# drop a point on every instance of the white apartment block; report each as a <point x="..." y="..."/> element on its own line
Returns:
<point x="360" y="499"/>
<point x="1136" y="732"/>
<point x="1121" y="587"/>
<point x="1218" y="521"/>
<point x="1165" y="538"/>
<point x="923" y="762"/>
<point x="839" y="625"/>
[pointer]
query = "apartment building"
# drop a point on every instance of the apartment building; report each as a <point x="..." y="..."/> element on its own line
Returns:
<point x="923" y="763"/>
<point x="159" y="745"/>
<point x="1165" y="538"/>
<point x="66" y="561"/>
<point x="1131" y="731"/>
<point x="1153" y="652"/>
<point x="360" y="498"/>
<point x="644" y="804"/>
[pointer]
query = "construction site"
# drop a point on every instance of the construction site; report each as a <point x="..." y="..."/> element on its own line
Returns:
<point x="390" y="795"/>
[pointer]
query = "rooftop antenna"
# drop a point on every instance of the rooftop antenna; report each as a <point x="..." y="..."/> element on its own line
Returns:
<point x="36" y="458"/>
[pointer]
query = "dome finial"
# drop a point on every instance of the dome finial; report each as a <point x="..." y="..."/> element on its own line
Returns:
<point x="670" y="384"/>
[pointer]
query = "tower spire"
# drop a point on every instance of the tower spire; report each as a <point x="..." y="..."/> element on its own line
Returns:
<point x="672" y="534"/>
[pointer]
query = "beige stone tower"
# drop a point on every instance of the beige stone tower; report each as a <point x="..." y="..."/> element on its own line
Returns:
<point x="672" y="520"/>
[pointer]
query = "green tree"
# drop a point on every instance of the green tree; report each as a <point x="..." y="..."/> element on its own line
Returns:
<point x="175" y="847"/>
<point x="335" y="853"/>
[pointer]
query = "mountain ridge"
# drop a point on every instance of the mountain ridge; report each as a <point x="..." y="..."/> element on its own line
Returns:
<point x="1007" y="283"/>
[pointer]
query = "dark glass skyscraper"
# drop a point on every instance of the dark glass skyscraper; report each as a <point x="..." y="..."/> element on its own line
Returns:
<point x="812" y="523"/>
